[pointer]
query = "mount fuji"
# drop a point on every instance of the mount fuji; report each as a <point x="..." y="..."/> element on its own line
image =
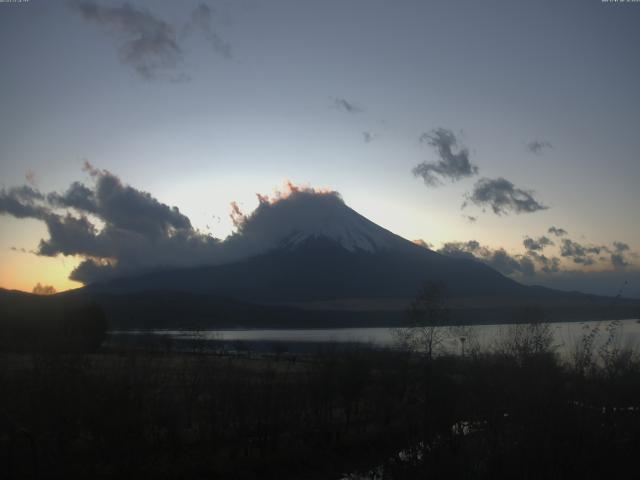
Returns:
<point x="310" y="252"/>
<point x="311" y="246"/>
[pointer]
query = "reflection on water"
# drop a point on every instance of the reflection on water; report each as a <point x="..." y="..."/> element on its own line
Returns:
<point x="565" y="335"/>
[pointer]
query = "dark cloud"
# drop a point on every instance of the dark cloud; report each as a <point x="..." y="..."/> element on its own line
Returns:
<point x="570" y="248"/>
<point x="451" y="166"/>
<point x="591" y="254"/>
<point x="503" y="197"/>
<point x="470" y="218"/>
<point x="579" y="253"/>
<point x="586" y="261"/>
<point x="558" y="232"/>
<point x="620" y="247"/>
<point x="499" y="258"/>
<point x="295" y="209"/>
<point x="122" y="206"/>
<point x="461" y="249"/>
<point x="202" y="20"/>
<point x="92" y="270"/>
<point x="114" y="226"/>
<point x="538" y="147"/>
<point x="22" y="202"/>
<point x="537" y="244"/>
<point x="511" y="264"/>
<point x="77" y="196"/>
<point x="545" y="264"/>
<point x="71" y="235"/>
<point x="118" y="230"/>
<point x="536" y="268"/>
<point x="618" y="259"/>
<point x="146" y="43"/>
<point x="128" y="208"/>
<point x="347" y="106"/>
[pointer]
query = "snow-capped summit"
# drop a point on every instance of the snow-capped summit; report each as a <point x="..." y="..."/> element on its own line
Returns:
<point x="305" y="215"/>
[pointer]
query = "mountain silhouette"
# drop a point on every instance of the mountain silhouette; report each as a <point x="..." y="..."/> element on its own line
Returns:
<point x="315" y="254"/>
<point x="314" y="247"/>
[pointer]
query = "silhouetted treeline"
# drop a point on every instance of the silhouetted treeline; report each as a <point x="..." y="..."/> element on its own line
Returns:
<point x="172" y="310"/>
<point x="180" y="310"/>
<point x="43" y="323"/>
<point x="515" y="412"/>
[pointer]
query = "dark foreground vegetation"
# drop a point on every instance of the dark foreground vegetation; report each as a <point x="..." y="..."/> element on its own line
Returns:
<point x="35" y="323"/>
<point x="518" y="411"/>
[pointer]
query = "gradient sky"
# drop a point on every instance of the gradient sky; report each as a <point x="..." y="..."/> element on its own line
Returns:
<point x="219" y="126"/>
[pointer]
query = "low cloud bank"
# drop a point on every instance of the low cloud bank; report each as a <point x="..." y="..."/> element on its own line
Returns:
<point x="119" y="230"/>
<point x="499" y="258"/>
<point x="599" y="269"/>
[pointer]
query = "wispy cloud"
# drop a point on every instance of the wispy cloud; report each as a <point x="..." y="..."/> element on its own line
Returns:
<point x="558" y="232"/>
<point x="202" y="20"/>
<point x="368" y="137"/>
<point x="538" y="147"/>
<point x="31" y="178"/>
<point x="537" y="244"/>
<point x="238" y="218"/>
<point x="347" y="106"/>
<point x="451" y="166"/>
<point x="147" y="43"/>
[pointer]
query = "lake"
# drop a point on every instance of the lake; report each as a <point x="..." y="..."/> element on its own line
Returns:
<point x="565" y="337"/>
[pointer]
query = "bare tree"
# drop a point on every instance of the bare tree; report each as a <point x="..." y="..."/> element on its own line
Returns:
<point x="427" y="317"/>
<point x="530" y="337"/>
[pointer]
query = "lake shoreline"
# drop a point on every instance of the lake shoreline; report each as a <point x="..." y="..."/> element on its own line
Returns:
<point x="566" y="336"/>
<point x="346" y="327"/>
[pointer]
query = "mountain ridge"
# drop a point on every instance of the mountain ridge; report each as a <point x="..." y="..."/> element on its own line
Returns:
<point x="309" y="250"/>
<point x="310" y="246"/>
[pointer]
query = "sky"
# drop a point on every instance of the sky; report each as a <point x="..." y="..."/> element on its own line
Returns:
<point x="474" y="126"/>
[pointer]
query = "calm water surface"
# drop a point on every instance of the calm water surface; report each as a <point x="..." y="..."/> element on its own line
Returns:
<point x="565" y="335"/>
